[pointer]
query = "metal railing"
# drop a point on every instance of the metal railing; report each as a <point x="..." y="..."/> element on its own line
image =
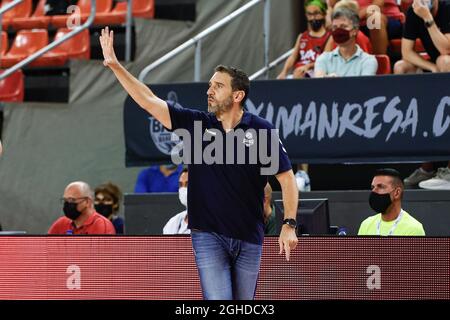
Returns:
<point x="128" y="26"/>
<point x="52" y="45"/>
<point x="197" y="40"/>
<point x="271" y="65"/>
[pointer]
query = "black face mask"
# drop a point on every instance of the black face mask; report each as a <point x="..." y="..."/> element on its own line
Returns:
<point x="70" y="210"/>
<point x="380" y="202"/>
<point x="316" y="24"/>
<point x="104" y="209"/>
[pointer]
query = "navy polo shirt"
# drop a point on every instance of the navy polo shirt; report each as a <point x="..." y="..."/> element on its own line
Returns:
<point x="226" y="198"/>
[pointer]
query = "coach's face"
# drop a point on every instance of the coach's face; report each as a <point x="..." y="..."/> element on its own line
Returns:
<point x="220" y="94"/>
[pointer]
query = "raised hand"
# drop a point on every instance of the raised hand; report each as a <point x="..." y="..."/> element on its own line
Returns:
<point x="107" y="43"/>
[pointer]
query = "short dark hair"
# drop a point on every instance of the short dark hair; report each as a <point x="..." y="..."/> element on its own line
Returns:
<point x="185" y="169"/>
<point x="394" y="174"/>
<point x="239" y="80"/>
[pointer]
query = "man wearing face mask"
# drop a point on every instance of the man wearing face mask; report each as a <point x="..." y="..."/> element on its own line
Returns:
<point x="386" y="200"/>
<point x="310" y="44"/>
<point x="80" y="216"/>
<point x="348" y="59"/>
<point x="107" y="203"/>
<point x="178" y="224"/>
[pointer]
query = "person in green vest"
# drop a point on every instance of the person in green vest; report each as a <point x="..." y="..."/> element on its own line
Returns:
<point x="386" y="200"/>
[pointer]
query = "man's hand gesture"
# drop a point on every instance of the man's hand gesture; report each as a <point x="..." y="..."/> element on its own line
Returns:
<point x="107" y="43"/>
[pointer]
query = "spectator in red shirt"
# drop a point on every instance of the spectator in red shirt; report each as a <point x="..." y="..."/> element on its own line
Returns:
<point x="309" y="44"/>
<point x="80" y="216"/>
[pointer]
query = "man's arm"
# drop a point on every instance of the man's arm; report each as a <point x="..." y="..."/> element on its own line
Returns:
<point x="370" y="67"/>
<point x="410" y="55"/>
<point x="290" y="62"/>
<point x="441" y="41"/>
<point x="288" y="238"/>
<point x="320" y="69"/>
<point x="142" y="94"/>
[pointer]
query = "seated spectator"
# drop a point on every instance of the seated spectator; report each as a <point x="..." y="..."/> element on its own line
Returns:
<point x="270" y="227"/>
<point x="309" y="44"/>
<point x="432" y="27"/>
<point x="361" y="39"/>
<point x="178" y="224"/>
<point x="380" y="20"/>
<point x="348" y="59"/>
<point x="79" y="213"/>
<point x="386" y="200"/>
<point x="107" y="203"/>
<point x="162" y="178"/>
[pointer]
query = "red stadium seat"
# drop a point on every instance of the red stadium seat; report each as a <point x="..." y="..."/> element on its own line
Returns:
<point x="77" y="47"/>
<point x="102" y="6"/>
<point x="26" y="43"/>
<point x="37" y="20"/>
<point x="22" y="10"/>
<point x="4" y="44"/>
<point x="12" y="87"/>
<point x="141" y="9"/>
<point x="396" y="46"/>
<point x="384" y="64"/>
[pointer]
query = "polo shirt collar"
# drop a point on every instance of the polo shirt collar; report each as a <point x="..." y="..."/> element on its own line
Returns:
<point x="246" y="118"/>
<point x="358" y="52"/>
<point x="89" y="221"/>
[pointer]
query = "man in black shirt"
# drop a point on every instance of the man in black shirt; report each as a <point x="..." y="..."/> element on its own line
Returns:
<point x="428" y="20"/>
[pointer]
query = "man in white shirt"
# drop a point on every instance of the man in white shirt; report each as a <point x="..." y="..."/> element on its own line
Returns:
<point x="178" y="224"/>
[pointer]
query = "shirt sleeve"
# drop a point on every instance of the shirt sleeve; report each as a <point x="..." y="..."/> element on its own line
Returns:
<point x="411" y="27"/>
<point x="370" y="66"/>
<point x="284" y="163"/>
<point x="141" y="184"/>
<point x="320" y="64"/>
<point x="363" y="229"/>
<point x="445" y="27"/>
<point x="182" y="118"/>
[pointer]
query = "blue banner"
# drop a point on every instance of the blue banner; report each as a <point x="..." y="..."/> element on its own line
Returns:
<point x="334" y="120"/>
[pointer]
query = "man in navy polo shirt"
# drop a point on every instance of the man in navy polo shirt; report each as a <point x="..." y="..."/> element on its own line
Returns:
<point x="225" y="198"/>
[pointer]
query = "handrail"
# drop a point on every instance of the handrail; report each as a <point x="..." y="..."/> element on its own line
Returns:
<point x="9" y="6"/>
<point x="271" y="65"/>
<point x="129" y="24"/>
<point x="198" y="38"/>
<point x="52" y="45"/>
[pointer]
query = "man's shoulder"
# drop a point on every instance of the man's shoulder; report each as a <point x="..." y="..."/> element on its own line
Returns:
<point x="325" y="56"/>
<point x="370" y="219"/>
<point x="257" y="122"/>
<point x="60" y="225"/>
<point x="412" y="221"/>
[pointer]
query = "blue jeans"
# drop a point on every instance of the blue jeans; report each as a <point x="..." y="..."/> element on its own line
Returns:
<point x="228" y="268"/>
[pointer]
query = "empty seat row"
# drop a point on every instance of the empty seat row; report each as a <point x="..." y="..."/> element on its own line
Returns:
<point x="28" y="42"/>
<point x="22" y="17"/>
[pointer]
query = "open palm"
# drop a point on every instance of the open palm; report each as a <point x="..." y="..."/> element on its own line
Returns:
<point x="107" y="43"/>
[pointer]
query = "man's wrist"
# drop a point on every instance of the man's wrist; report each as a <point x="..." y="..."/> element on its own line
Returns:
<point x="290" y="222"/>
<point x="428" y="20"/>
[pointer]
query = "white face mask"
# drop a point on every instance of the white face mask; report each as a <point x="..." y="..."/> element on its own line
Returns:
<point x="182" y="195"/>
